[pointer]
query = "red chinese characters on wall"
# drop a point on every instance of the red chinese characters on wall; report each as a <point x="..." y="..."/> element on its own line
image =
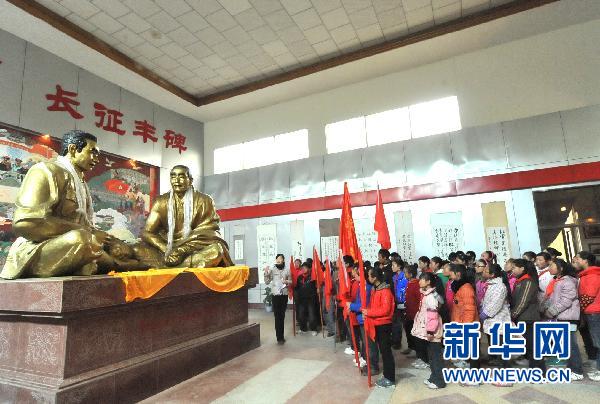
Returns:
<point x="111" y="120"/>
<point x="174" y="140"/>
<point x="145" y="130"/>
<point x="64" y="101"/>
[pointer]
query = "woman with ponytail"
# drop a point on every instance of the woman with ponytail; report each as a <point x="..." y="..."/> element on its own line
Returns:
<point x="525" y="305"/>
<point x="561" y="303"/>
<point x="465" y="305"/>
<point x="495" y="307"/>
<point x="428" y="326"/>
<point x="489" y="257"/>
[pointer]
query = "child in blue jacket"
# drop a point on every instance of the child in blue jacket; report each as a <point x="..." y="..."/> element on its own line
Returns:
<point x="400" y="283"/>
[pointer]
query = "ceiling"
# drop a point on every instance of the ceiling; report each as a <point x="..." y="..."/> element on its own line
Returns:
<point x="537" y="20"/>
<point x="209" y="46"/>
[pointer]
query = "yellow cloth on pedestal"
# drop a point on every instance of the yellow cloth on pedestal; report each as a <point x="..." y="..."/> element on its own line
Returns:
<point x="145" y="284"/>
<point x="221" y="279"/>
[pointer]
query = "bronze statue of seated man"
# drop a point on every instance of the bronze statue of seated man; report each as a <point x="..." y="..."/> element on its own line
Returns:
<point x="183" y="226"/>
<point x="54" y="215"/>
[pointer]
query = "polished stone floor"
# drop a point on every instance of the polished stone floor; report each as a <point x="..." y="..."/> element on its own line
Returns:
<point x="307" y="369"/>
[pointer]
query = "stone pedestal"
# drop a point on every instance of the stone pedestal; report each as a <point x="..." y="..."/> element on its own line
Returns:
<point x="74" y="339"/>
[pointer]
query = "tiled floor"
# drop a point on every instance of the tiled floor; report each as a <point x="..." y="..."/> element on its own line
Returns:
<point x="308" y="370"/>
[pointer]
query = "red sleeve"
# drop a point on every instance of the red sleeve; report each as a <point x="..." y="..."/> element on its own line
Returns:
<point x="353" y="291"/>
<point x="384" y="303"/>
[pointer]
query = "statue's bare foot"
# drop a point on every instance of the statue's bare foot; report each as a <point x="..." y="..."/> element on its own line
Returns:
<point x="88" y="269"/>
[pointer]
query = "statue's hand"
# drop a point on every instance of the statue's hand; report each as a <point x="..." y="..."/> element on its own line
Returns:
<point x="103" y="237"/>
<point x="173" y="259"/>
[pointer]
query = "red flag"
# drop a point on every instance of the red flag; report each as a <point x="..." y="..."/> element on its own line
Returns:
<point x="294" y="274"/>
<point x="317" y="271"/>
<point x="348" y="242"/>
<point x="328" y="284"/>
<point x="381" y="227"/>
<point x="116" y="186"/>
<point x="342" y="279"/>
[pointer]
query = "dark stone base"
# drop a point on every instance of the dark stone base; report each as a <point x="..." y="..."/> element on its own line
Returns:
<point x="75" y="340"/>
<point x="134" y="380"/>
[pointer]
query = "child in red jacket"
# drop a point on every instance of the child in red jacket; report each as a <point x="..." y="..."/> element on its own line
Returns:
<point x="589" y="298"/>
<point x="379" y="313"/>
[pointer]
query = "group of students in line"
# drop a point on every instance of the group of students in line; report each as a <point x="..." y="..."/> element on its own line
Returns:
<point x="420" y="298"/>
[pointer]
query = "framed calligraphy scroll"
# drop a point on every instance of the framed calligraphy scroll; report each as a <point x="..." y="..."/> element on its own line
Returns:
<point x="405" y="236"/>
<point x="266" y="239"/>
<point x="446" y="233"/>
<point x="495" y="222"/>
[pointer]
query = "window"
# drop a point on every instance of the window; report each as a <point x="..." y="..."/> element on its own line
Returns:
<point x="346" y="135"/>
<point x="387" y="127"/>
<point x="418" y="120"/>
<point x="229" y="158"/>
<point x="262" y="152"/>
<point x="291" y="146"/>
<point x="434" y="117"/>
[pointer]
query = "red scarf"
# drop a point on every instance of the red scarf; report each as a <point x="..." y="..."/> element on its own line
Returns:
<point x="550" y="288"/>
<point x="522" y="278"/>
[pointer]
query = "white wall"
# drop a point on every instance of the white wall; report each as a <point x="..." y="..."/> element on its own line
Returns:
<point x="522" y="225"/>
<point x="541" y="74"/>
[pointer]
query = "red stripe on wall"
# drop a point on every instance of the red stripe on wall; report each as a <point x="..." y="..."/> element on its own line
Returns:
<point x="492" y="183"/>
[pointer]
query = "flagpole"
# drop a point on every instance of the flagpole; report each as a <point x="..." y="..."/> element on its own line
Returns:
<point x="335" y="321"/>
<point x="294" y="315"/>
<point x="292" y="286"/>
<point x="320" y="310"/>
<point x="367" y="354"/>
<point x="353" y="341"/>
<point x="366" y="320"/>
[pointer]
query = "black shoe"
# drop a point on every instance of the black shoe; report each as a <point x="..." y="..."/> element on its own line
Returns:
<point x="383" y="382"/>
<point x="330" y="334"/>
<point x="281" y="342"/>
<point x="396" y="347"/>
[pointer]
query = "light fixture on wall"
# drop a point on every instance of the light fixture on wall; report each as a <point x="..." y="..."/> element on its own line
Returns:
<point x="590" y="220"/>
<point x="563" y="208"/>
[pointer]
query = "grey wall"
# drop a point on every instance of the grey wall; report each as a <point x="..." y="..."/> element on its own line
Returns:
<point x="561" y="138"/>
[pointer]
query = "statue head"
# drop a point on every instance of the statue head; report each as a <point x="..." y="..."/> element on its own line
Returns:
<point x="81" y="148"/>
<point x="181" y="179"/>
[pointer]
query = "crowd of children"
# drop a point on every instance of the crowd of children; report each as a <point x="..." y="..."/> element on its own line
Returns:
<point x="418" y="299"/>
